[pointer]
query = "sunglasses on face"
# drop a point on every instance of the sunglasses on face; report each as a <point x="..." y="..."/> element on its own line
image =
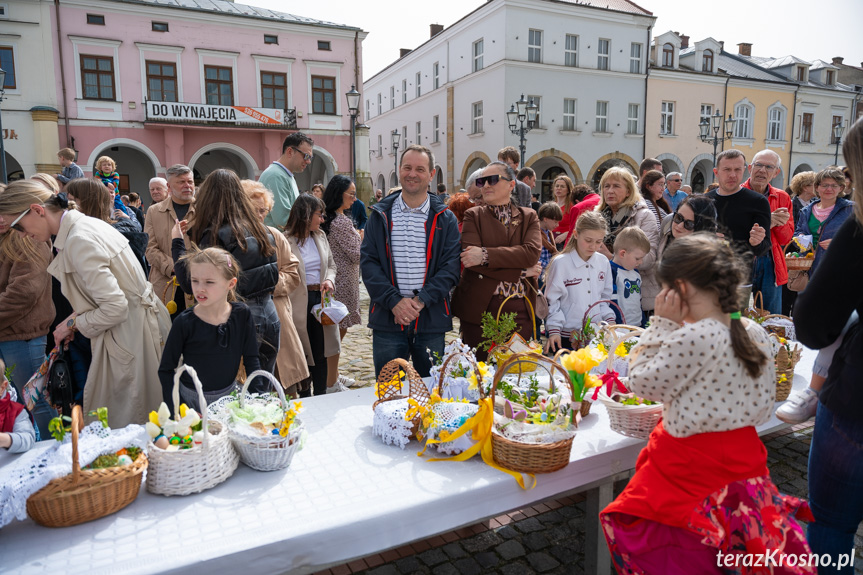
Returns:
<point x="675" y="180"/>
<point x="306" y="157"/>
<point x="492" y="180"/>
<point x="15" y="225"/>
<point x="688" y="225"/>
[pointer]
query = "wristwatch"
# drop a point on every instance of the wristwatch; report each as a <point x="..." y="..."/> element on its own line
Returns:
<point x="71" y="324"/>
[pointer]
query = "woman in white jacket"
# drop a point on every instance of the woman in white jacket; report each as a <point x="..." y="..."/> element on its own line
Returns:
<point x="577" y="278"/>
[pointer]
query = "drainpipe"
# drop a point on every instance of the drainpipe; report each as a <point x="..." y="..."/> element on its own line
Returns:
<point x="646" y="74"/>
<point x="62" y="72"/>
<point x="725" y="108"/>
<point x="791" y="147"/>
<point x="357" y="65"/>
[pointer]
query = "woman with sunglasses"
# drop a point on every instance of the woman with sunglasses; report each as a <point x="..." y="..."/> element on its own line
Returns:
<point x="114" y="304"/>
<point x="500" y="254"/>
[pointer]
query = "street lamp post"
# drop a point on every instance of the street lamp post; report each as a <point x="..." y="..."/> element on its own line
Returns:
<point x="354" y="109"/>
<point x="838" y="129"/>
<point x="714" y="124"/>
<point x="396" y="136"/>
<point x="522" y="112"/>
<point x="2" y="143"/>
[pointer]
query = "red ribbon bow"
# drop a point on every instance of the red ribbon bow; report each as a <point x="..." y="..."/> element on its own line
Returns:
<point x="610" y="379"/>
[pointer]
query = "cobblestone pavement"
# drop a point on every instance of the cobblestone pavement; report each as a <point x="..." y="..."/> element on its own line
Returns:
<point x="547" y="537"/>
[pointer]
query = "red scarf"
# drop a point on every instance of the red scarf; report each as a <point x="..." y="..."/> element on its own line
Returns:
<point x="9" y="410"/>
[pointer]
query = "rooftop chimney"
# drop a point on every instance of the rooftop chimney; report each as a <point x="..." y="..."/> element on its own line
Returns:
<point x="744" y="49"/>
<point x="404" y="52"/>
<point x="722" y="44"/>
<point x="684" y="41"/>
<point x="435" y="29"/>
<point x="837" y="60"/>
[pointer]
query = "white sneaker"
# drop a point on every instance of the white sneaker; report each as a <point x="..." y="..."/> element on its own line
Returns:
<point x="347" y="381"/>
<point x="800" y="407"/>
<point x="336" y="387"/>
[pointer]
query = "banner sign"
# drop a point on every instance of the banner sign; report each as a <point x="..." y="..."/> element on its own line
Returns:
<point x="206" y="113"/>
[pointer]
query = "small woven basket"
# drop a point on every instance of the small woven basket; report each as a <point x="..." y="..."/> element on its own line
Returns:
<point x="202" y="466"/>
<point x="631" y="420"/>
<point x="798" y="264"/>
<point x="503" y="352"/>
<point x="530" y="457"/>
<point x="579" y="339"/>
<point x="86" y="494"/>
<point x="776" y="329"/>
<point x="471" y="363"/>
<point x="785" y="364"/>
<point x="267" y="452"/>
<point x="386" y="391"/>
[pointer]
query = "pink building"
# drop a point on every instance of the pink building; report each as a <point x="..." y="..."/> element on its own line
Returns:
<point x="209" y="84"/>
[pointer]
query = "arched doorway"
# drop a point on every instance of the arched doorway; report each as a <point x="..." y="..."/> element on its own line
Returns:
<point x="802" y="168"/>
<point x="394" y="181"/>
<point x="669" y="166"/>
<point x="702" y="176"/>
<point x="607" y="165"/>
<point x="382" y="183"/>
<point x="219" y="158"/>
<point x="545" y="181"/>
<point x="134" y="167"/>
<point x="476" y="164"/>
<point x="321" y="170"/>
<point x="439" y="177"/>
<point x="14" y="171"/>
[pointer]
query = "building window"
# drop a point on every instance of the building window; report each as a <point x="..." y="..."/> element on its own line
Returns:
<point x="476" y="118"/>
<point x="801" y="74"/>
<point x="707" y="61"/>
<point x="380" y="146"/>
<point x="706" y="113"/>
<point x="161" y="81"/>
<point x="380" y="110"/>
<point x="324" y="45"/>
<point x="7" y="62"/>
<point x="666" y="121"/>
<point x="419" y="133"/>
<point x="323" y="95"/>
<point x="830" y="77"/>
<point x="392" y="98"/>
<point x="570" y="53"/>
<point x="418" y="82"/>
<point x="368" y="109"/>
<point x="436" y="129"/>
<point x="404" y="91"/>
<point x="776" y="123"/>
<point x="477" y="55"/>
<point x="601" y="116"/>
<point x="405" y="135"/>
<point x="274" y="90"/>
<point x="569" y="107"/>
<point x="436" y="75"/>
<point x="635" y="58"/>
<point x="632" y="119"/>
<point x="837" y="121"/>
<point x="602" y="51"/>
<point x="537" y="100"/>
<point x="97" y="77"/>
<point x="219" y="85"/>
<point x="97" y="19"/>
<point x="271" y="39"/>
<point x="806" y="127"/>
<point x="534" y="46"/>
<point x="743" y="126"/>
<point x="668" y="55"/>
<point x="160" y="26"/>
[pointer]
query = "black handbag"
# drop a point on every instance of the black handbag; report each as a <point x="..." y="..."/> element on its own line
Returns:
<point x="60" y="387"/>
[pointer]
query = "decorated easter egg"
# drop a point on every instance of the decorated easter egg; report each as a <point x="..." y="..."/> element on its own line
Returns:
<point x="161" y="442"/>
<point x="198" y="437"/>
<point x="124" y="460"/>
<point x="187" y="440"/>
<point x="175" y="440"/>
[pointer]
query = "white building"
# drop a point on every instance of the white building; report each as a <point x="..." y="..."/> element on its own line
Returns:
<point x="583" y="64"/>
<point x="29" y="109"/>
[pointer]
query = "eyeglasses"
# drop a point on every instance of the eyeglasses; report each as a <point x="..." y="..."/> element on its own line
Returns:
<point x="688" y="225"/>
<point x="352" y="194"/>
<point x="15" y="225"/>
<point x="476" y="200"/>
<point x="306" y="157"/>
<point x="677" y="180"/>
<point x="830" y="187"/>
<point x="760" y="166"/>
<point x="492" y="180"/>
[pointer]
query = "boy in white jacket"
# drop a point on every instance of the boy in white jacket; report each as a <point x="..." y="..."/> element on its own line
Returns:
<point x="576" y="279"/>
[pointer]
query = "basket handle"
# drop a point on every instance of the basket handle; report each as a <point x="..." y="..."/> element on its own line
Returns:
<point x="760" y="308"/>
<point x="548" y="366"/>
<point x="202" y="402"/>
<point x="276" y="383"/>
<point x="471" y="362"/>
<point x="612" y="329"/>
<point x="596" y="303"/>
<point x="77" y="425"/>
<point x="417" y="391"/>
<point x="609" y="363"/>
<point x="171" y="282"/>
<point x="529" y="308"/>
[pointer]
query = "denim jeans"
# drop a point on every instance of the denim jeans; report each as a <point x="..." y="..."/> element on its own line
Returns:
<point x="26" y="357"/>
<point x="835" y="477"/>
<point x="267" y="327"/>
<point x="408" y="345"/>
<point x="764" y="280"/>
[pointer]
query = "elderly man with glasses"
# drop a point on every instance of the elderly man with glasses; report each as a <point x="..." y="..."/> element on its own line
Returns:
<point x="672" y="193"/>
<point x="280" y="180"/>
<point x="770" y="272"/>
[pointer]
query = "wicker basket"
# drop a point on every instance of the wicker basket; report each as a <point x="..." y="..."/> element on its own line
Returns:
<point x="798" y="264"/>
<point x="267" y="452"/>
<point x="785" y="363"/>
<point x="86" y="494"/>
<point x="630" y="420"/>
<point x="757" y="312"/>
<point x="776" y="329"/>
<point x="198" y="468"/>
<point x="578" y="339"/>
<point x="471" y="363"/>
<point x="530" y="457"/>
<point x="503" y="352"/>
<point x="387" y="392"/>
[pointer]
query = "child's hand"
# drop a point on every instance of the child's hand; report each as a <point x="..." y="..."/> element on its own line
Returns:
<point x="179" y="229"/>
<point x="671" y="306"/>
<point x="553" y="343"/>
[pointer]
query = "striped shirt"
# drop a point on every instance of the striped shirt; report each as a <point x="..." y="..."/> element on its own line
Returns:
<point x="409" y="245"/>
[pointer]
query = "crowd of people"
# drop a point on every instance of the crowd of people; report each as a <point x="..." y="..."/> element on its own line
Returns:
<point x="231" y="276"/>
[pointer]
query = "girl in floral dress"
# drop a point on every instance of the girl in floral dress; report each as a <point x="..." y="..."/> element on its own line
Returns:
<point x="701" y="500"/>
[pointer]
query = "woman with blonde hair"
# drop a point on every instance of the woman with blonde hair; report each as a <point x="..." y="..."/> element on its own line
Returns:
<point x="291" y="366"/>
<point x="47" y="180"/>
<point x="114" y="304"/>
<point x="802" y="192"/>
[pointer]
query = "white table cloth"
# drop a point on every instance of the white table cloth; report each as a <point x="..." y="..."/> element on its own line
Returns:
<point x="346" y="495"/>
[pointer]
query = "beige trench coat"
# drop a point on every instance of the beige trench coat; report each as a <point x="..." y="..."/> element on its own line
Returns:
<point x="120" y="313"/>
<point x="300" y="297"/>
<point x="290" y="362"/>
<point x="158" y="224"/>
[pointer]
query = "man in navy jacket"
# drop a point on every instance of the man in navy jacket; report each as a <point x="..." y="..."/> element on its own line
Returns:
<point x="410" y="263"/>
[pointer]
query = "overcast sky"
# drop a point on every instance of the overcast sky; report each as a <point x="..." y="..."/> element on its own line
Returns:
<point x="806" y="28"/>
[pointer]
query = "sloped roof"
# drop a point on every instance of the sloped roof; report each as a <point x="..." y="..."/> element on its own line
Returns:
<point x="818" y="64"/>
<point x="616" y="5"/>
<point x="784" y="61"/>
<point x="236" y="9"/>
<point x="743" y="67"/>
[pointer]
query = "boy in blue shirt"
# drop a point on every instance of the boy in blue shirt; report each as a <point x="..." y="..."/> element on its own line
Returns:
<point x="630" y="247"/>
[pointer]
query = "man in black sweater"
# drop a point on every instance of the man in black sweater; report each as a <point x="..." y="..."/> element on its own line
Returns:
<point x="743" y="214"/>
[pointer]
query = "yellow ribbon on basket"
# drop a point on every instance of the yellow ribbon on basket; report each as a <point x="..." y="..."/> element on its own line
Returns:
<point x="481" y="425"/>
